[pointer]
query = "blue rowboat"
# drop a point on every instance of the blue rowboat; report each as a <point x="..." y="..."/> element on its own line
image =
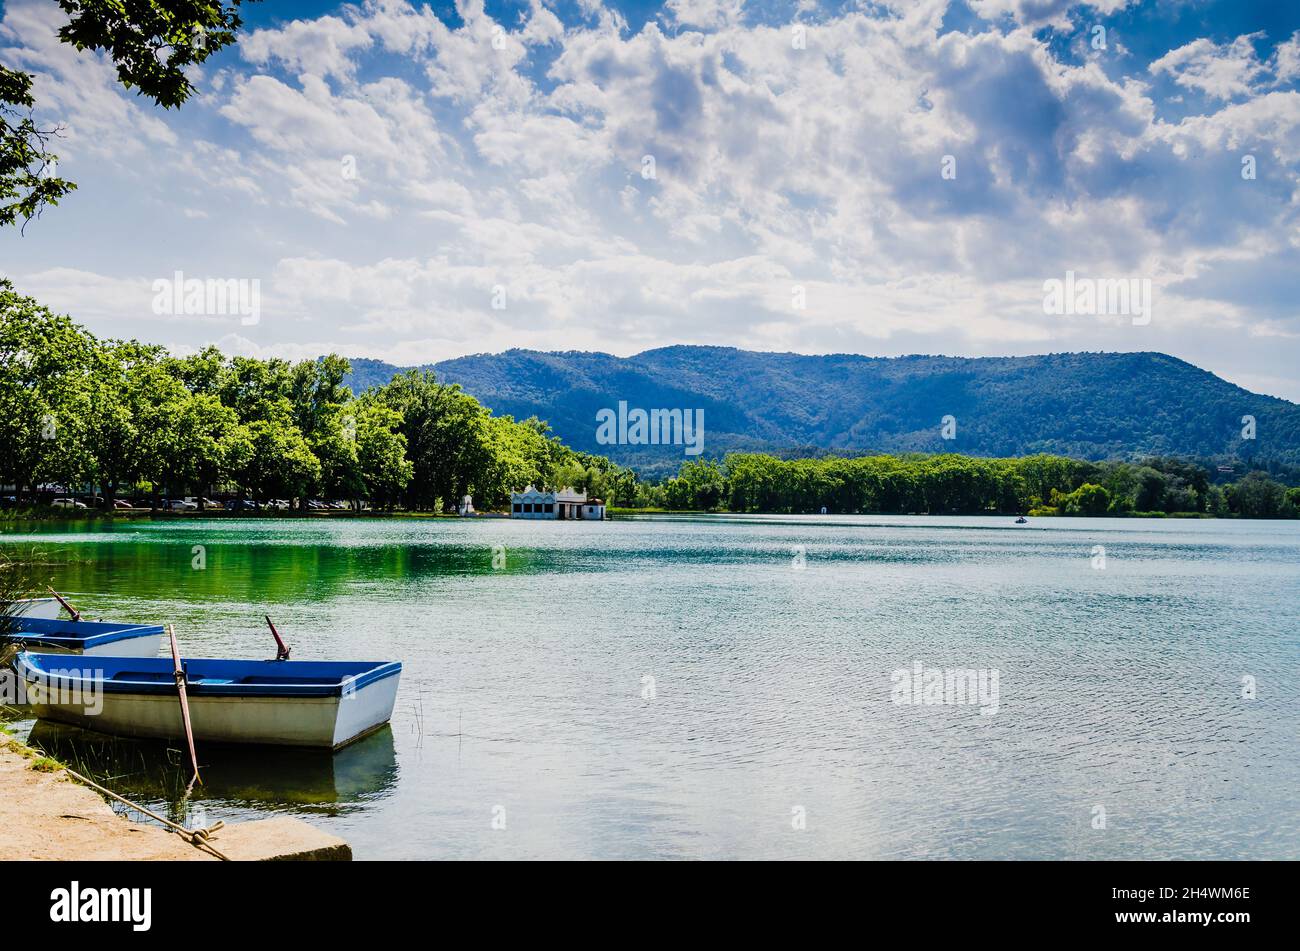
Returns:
<point x="277" y="702"/>
<point x="100" y="638"/>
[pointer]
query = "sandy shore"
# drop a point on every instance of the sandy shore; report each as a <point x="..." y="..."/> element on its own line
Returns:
<point x="49" y="816"/>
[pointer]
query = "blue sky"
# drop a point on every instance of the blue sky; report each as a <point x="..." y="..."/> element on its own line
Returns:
<point x="785" y="173"/>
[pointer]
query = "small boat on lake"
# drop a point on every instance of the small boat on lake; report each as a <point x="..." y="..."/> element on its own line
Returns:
<point x="99" y="638"/>
<point x="1022" y="521"/>
<point x="47" y="608"/>
<point x="274" y="702"/>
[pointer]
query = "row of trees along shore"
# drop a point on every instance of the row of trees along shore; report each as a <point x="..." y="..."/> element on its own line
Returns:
<point x="129" y="419"/>
<point x="1040" y="484"/>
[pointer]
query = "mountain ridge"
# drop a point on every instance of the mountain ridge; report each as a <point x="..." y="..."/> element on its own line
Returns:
<point x="1092" y="405"/>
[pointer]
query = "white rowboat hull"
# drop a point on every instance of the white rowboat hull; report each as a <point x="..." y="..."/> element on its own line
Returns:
<point x="45" y="608"/>
<point x="147" y="646"/>
<point x="330" y="722"/>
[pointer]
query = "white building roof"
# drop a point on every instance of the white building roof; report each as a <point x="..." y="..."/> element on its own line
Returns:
<point x="533" y="494"/>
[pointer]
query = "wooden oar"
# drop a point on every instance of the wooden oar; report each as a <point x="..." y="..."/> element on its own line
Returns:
<point x="185" y="701"/>
<point x="76" y="615"/>
<point x="281" y="650"/>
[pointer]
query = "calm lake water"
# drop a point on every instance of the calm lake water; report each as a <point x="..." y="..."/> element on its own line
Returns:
<point x="678" y="687"/>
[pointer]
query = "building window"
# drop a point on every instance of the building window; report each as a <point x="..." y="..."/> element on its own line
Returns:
<point x="519" y="507"/>
<point x="550" y="506"/>
<point x="528" y="506"/>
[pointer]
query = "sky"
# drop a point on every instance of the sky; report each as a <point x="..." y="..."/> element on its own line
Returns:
<point x="413" y="183"/>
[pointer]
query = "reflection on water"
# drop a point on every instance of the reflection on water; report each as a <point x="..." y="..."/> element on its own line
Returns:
<point x="526" y="690"/>
<point x="236" y="780"/>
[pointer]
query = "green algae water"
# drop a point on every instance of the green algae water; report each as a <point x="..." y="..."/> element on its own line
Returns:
<point x="729" y="687"/>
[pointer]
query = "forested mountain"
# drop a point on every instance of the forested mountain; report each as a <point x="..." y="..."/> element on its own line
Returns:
<point x="1085" y="405"/>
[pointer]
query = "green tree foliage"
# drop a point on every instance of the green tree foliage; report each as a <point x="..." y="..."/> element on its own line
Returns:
<point x="703" y="483"/>
<point x="953" y="484"/>
<point x="1087" y="499"/>
<point x="27" y="178"/>
<point x="152" y="42"/>
<point x="121" y="416"/>
<point x="383" y="471"/>
<point x="445" y="436"/>
<point x="132" y="415"/>
<point x="153" y="45"/>
<point x="282" y="464"/>
<point x="44" y="386"/>
<point x="203" y="444"/>
<point x="1258" y="496"/>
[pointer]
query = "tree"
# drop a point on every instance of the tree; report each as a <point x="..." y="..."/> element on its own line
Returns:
<point x="1042" y="473"/>
<point x="205" y="443"/>
<point x="44" y="387"/>
<point x="120" y="426"/>
<point x="27" y="178"/>
<point x="317" y="394"/>
<point x="281" y="464"/>
<point x="120" y="412"/>
<point x="1150" y="495"/>
<point x="322" y="412"/>
<point x="202" y="372"/>
<point x="445" y="438"/>
<point x="383" y="468"/>
<point x="335" y="446"/>
<point x="1293" y="498"/>
<point x="1258" y="496"/>
<point x="706" y="485"/>
<point x="152" y="43"/>
<point x="1087" y="499"/>
<point x="515" y="455"/>
<point x="258" y="389"/>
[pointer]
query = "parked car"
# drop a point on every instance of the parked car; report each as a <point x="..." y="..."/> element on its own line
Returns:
<point x="180" y="505"/>
<point x="68" y="504"/>
<point x="121" y="504"/>
<point x="210" y="504"/>
<point x="277" y="504"/>
<point x="243" y="505"/>
<point x="316" y="505"/>
<point x="340" y="506"/>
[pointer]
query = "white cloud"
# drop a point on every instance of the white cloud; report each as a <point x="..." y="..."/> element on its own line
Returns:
<point x="512" y="154"/>
<point x="321" y="47"/>
<point x="1039" y="13"/>
<point x="710" y="14"/>
<point x="1220" y="70"/>
<point x="78" y="89"/>
<point x="1286" y="60"/>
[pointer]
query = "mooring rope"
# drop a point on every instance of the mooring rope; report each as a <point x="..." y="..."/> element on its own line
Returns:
<point x="195" y="837"/>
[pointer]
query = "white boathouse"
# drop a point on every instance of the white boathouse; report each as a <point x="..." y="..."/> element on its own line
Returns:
<point x="562" y="504"/>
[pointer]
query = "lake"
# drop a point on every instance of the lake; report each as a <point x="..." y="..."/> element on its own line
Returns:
<point x="729" y="686"/>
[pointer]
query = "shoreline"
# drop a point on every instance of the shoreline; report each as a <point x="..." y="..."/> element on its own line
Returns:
<point x="614" y="512"/>
<point x="49" y="816"/>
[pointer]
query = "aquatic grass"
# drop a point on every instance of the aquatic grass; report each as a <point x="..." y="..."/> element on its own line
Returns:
<point x="25" y="572"/>
<point x="36" y="759"/>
